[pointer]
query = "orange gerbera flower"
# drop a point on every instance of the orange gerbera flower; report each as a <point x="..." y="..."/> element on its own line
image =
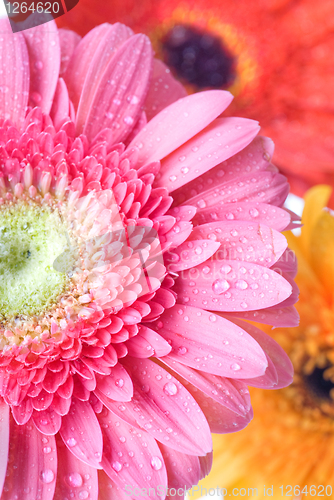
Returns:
<point x="275" y="56"/>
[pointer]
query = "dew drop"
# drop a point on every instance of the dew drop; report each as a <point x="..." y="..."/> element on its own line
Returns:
<point x="117" y="466"/>
<point x="241" y="285"/>
<point x="235" y="367"/>
<point x="253" y="212"/>
<point x="71" y="442"/>
<point x="83" y="494"/>
<point x="74" y="479"/>
<point x="156" y="463"/>
<point x="213" y="318"/>
<point x="119" y="382"/>
<point x="128" y="120"/>
<point x="229" y="216"/>
<point x="225" y="269"/>
<point x="182" y="350"/>
<point x="201" y="204"/>
<point x="220" y="286"/>
<point x="47" y="449"/>
<point x="172" y="178"/>
<point x="47" y="476"/>
<point x="170" y="389"/>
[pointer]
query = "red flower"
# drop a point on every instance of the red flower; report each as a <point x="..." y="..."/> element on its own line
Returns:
<point x="282" y="51"/>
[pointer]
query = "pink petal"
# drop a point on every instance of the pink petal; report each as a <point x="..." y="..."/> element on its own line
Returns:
<point x="178" y="123"/>
<point x="267" y="381"/>
<point x="118" y="385"/>
<point x="293" y="298"/>
<point x="286" y="317"/>
<point x="4" y="440"/>
<point x="220" y="140"/>
<point x="75" y="478"/>
<point x="44" y="58"/>
<point x="163" y="90"/>
<point x="287" y="263"/>
<point x="158" y="403"/>
<point x="230" y="285"/>
<point x="228" y="392"/>
<point x="206" y="464"/>
<point x="221" y="420"/>
<point x="14" y="84"/>
<point x="68" y="40"/>
<point x="91" y="57"/>
<point x="242" y="241"/>
<point x="23" y="412"/>
<point x="224" y="350"/>
<point x="81" y="433"/>
<point x="33" y="464"/>
<point x="190" y="254"/>
<point x="183" y="470"/>
<point x="280" y="359"/>
<point x="147" y="343"/>
<point x="253" y="158"/>
<point x="185" y="213"/>
<point x="118" y="105"/>
<point x="131" y="455"/>
<point x="108" y="489"/>
<point x="47" y="422"/>
<point x="269" y="187"/>
<point x="272" y="216"/>
<point x="61" y="105"/>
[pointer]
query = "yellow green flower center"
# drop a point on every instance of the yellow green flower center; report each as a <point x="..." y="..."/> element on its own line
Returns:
<point x="32" y="238"/>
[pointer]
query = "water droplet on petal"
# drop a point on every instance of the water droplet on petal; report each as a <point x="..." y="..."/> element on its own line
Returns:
<point x="220" y="286"/>
<point x="201" y="204"/>
<point x="47" y="476"/>
<point x="119" y="382"/>
<point x="156" y="463"/>
<point x="71" y="442"/>
<point x="83" y="494"/>
<point x="74" y="479"/>
<point x="229" y="216"/>
<point x="182" y="350"/>
<point x="253" y="212"/>
<point x="170" y="389"/>
<point x="241" y="285"/>
<point x="235" y="367"/>
<point x="117" y="466"/>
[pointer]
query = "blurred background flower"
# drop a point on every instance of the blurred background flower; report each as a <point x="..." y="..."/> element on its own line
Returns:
<point x="275" y="56"/>
<point x="291" y="440"/>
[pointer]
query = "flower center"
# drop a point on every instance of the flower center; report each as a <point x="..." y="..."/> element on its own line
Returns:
<point x="31" y="239"/>
<point x="198" y="57"/>
<point x="320" y="385"/>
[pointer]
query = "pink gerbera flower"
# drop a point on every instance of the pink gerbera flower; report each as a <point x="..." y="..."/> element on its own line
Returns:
<point x="131" y="253"/>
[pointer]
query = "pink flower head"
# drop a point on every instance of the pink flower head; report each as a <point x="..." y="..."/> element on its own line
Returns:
<point x="131" y="254"/>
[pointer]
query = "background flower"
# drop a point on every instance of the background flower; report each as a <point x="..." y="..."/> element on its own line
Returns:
<point x="130" y="254"/>
<point x="290" y="442"/>
<point x="280" y="70"/>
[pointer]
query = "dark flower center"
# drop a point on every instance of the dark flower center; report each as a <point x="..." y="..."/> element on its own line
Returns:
<point x="319" y="384"/>
<point x="198" y="57"/>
